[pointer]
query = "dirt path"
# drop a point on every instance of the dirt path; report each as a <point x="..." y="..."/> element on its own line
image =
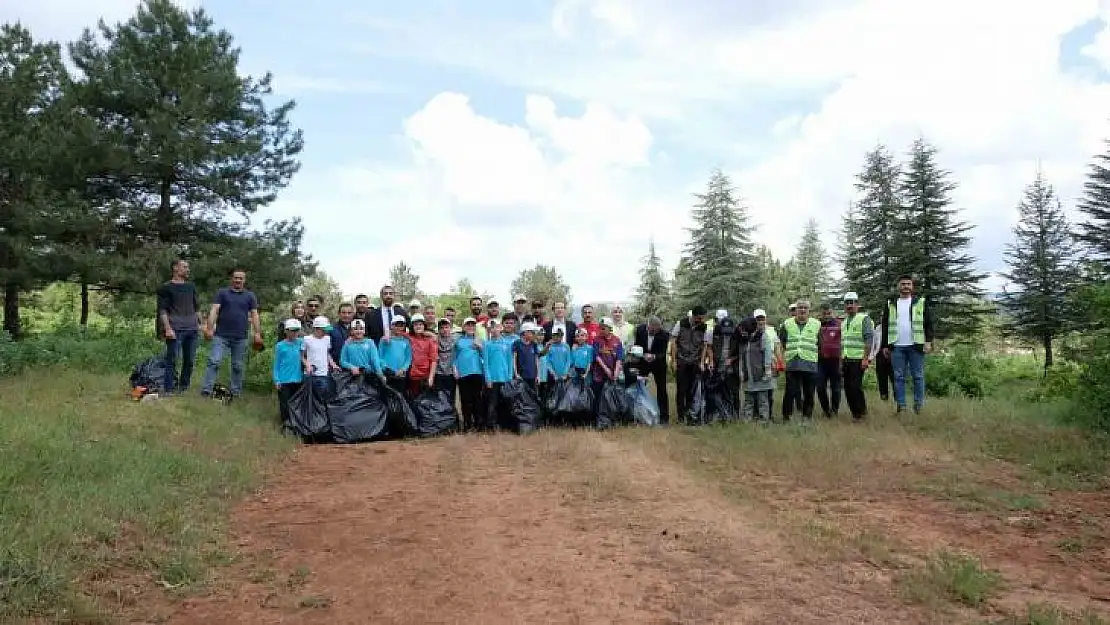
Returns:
<point x="562" y="527"/>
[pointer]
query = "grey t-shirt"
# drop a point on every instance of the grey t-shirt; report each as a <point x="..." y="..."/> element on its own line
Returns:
<point x="179" y="301"/>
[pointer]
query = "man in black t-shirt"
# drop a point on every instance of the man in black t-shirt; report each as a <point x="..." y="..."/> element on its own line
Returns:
<point x="179" y="322"/>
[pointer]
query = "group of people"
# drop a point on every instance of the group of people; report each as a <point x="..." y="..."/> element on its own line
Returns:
<point x="415" y="348"/>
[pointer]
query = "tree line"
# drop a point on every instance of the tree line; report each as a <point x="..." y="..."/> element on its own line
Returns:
<point x="153" y="146"/>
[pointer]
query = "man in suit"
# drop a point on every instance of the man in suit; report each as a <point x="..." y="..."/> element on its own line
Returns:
<point x="654" y="339"/>
<point x="379" y="320"/>
<point x="560" y="320"/>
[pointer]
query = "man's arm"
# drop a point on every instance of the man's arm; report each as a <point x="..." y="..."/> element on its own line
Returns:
<point x="213" y="315"/>
<point x="929" y="322"/>
<point x="164" y="302"/>
<point x="884" y="323"/>
<point x="868" y="339"/>
<point x="256" y="321"/>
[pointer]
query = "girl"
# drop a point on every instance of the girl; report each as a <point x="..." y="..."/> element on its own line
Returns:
<point x="359" y="354"/>
<point x="288" y="367"/>
<point x="468" y="372"/>
<point x="296" y="311"/>
<point x="396" y="355"/>
<point x="425" y="353"/>
<point x="497" y="369"/>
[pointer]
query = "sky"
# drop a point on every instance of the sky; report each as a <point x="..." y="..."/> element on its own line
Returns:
<point x="476" y="138"/>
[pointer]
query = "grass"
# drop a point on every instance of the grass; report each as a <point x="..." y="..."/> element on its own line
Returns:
<point x="950" y="578"/>
<point x="1047" y="614"/>
<point x="95" y="488"/>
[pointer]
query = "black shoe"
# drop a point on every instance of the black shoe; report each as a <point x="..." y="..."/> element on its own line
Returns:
<point x="900" y="409"/>
<point x="828" y="415"/>
<point x="884" y="397"/>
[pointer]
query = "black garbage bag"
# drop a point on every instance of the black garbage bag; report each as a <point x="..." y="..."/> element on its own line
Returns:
<point x="435" y="413"/>
<point x="721" y="402"/>
<point x="613" y="406"/>
<point x="308" y="412"/>
<point x="577" y="404"/>
<point x="695" y="407"/>
<point x="402" y="420"/>
<point x="644" y="407"/>
<point x="524" y="405"/>
<point x="150" y="374"/>
<point x="555" y="392"/>
<point x="357" y="413"/>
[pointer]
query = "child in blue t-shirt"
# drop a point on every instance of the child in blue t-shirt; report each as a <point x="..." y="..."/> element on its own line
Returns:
<point x="582" y="356"/>
<point x="289" y="366"/>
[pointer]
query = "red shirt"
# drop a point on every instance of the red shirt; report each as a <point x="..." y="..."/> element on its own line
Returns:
<point x="591" y="328"/>
<point x="425" y="353"/>
<point x="609" y="351"/>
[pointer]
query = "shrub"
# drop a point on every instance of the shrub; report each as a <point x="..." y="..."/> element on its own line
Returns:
<point x="961" y="371"/>
<point x="1061" y="381"/>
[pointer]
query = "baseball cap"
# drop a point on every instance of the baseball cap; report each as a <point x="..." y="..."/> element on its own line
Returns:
<point x="399" y="320"/>
<point x="416" y="317"/>
<point x="793" y="305"/>
<point x="721" y="313"/>
<point x="444" y="322"/>
<point x="358" y="323"/>
<point x="320" y="322"/>
<point x="759" y="312"/>
<point x="607" y="322"/>
<point x="292" y="324"/>
<point x="492" y="302"/>
<point x="414" y="303"/>
<point x="528" y="327"/>
<point x="851" y="296"/>
<point x="519" y="298"/>
<point x="469" y="320"/>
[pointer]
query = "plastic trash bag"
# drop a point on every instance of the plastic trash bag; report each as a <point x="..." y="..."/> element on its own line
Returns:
<point x="525" y="406"/>
<point x="435" y="414"/>
<point x="401" y="418"/>
<point x="357" y="413"/>
<point x="695" y="407"/>
<point x="577" y="404"/>
<point x="613" y="406"/>
<point x="308" y="412"/>
<point x="149" y="374"/>
<point x="555" y="392"/>
<point x="721" y="402"/>
<point x="644" y="407"/>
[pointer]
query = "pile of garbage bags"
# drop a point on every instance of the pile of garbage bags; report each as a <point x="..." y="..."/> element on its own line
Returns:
<point x="345" y="408"/>
<point x="712" y="401"/>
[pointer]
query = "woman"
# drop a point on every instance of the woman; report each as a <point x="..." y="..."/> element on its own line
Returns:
<point x="296" y="311"/>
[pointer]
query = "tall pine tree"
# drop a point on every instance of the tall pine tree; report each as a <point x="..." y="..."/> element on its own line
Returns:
<point x="871" y="265"/>
<point x="933" y="243"/>
<point x="811" y="264"/>
<point x="1094" y="231"/>
<point x="651" y="295"/>
<point x="720" y="251"/>
<point x="1042" y="270"/>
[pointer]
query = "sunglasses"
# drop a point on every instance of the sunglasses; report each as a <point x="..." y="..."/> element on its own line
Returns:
<point x="313" y="305"/>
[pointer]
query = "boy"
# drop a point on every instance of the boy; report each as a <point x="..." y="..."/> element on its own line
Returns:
<point x="359" y="354"/>
<point x="467" y="356"/>
<point x="317" y="353"/>
<point x="526" y="356"/>
<point x="288" y="367"/>
<point x="558" y="357"/>
<point x="445" y="355"/>
<point x="396" y="355"/>
<point x="422" y="373"/>
<point x="582" y="356"/>
<point x="497" y="369"/>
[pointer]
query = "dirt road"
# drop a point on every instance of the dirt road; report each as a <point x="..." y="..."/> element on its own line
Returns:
<point x="562" y="527"/>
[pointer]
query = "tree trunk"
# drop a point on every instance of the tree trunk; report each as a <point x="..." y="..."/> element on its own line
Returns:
<point x="84" y="322"/>
<point x="11" y="311"/>
<point x="1047" y="353"/>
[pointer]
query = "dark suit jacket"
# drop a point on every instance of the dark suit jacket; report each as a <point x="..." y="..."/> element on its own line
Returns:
<point x="658" y="344"/>
<point x="374" y="328"/>
<point x="571" y="329"/>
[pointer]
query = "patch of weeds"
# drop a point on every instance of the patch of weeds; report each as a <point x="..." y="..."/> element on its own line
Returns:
<point x="1072" y="545"/>
<point x="263" y="576"/>
<point x="314" y="602"/>
<point x="1047" y="614"/>
<point x="948" y="577"/>
<point x="298" y="577"/>
<point x="971" y="495"/>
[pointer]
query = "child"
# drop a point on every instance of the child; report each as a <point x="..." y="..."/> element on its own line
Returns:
<point x="558" y="357"/>
<point x="396" y="355"/>
<point x="317" y="353"/>
<point x="582" y="356"/>
<point x="526" y="356"/>
<point x="497" y="369"/>
<point x="359" y="354"/>
<point x="422" y="373"/>
<point x="445" y="358"/>
<point x="288" y="367"/>
<point x="467" y="356"/>
<point x="634" y="366"/>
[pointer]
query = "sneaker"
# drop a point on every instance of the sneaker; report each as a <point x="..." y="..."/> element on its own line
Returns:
<point x="900" y="409"/>
<point x="917" y="410"/>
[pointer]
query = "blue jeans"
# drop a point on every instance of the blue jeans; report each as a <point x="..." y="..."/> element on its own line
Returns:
<point x="184" y="345"/>
<point x="220" y="347"/>
<point x="901" y="359"/>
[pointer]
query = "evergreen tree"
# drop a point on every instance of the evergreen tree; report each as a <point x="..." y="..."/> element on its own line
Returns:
<point x="678" y="300"/>
<point x="780" y="285"/>
<point x="850" y="249"/>
<point x="406" y="284"/>
<point x="541" y="283"/>
<point x="1094" y="232"/>
<point x="1042" y="270"/>
<point x="872" y="263"/>
<point x="811" y="266"/>
<point x="933" y="242"/>
<point x="651" y="295"/>
<point x="720" y="250"/>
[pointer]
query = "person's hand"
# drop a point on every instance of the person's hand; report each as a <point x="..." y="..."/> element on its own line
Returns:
<point x="886" y="352"/>
<point x="277" y="386"/>
<point x="489" y="385"/>
<point x="402" y="373"/>
<point x="650" y="357"/>
<point x="864" y="364"/>
<point x="307" y="370"/>
<point x="258" y="338"/>
<point x="208" y="333"/>
<point x="928" y="347"/>
<point x="170" y="334"/>
<point x="356" y="371"/>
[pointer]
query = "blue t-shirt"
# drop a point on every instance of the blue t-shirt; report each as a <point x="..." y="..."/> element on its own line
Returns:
<point x="235" y="307"/>
<point x="526" y="359"/>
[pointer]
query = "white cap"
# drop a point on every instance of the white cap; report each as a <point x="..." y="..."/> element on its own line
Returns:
<point x="528" y="327"/>
<point x="721" y="313"/>
<point x="399" y="320"/>
<point x="636" y="350"/>
<point x="606" y="321"/>
<point x="851" y="295"/>
<point x="519" y="298"/>
<point x="689" y="313"/>
<point x="414" y="303"/>
<point x="320" y="322"/>
<point x="469" y="320"/>
<point x="358" y="323"/>
<point x="759" y="312"/>
<point x="292" y="324"/>
<point x="416" y="317"/>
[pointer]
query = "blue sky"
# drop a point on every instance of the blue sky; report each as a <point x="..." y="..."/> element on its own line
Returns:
<point x="478" y="138"/>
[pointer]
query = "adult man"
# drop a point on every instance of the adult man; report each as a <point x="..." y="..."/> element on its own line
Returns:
<point x="314" y="308"/>
<point x="362" y="308"/>
<point x="588" y="324"/>
<point x="449" y="314"/>
<point x="722" y="354"/>
<point x="799" y="338"/>
<point x="654" y="340"/>
<point x="493" y="310"/>
<point x="480" y="318"/>
<point x="537" y="312"/>
<point x="907" y="328"/>
<point x="856" y="339"/>
<point x="381" y="318"/>
<point x="341" y="329"/>
<point x="415" y="308"/>
<point x="234" y="311"/>
<point x="179" y="318"/>
<point x="828" y="362"/>
<point x="559" y="321"/>
<point x="687" y="342"/>
<point x="623" y="329"/>
<point x="520" y="306"/>
<point x="432" y="322"/>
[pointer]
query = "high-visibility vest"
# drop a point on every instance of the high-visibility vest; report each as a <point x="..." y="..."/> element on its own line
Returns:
<point x="851" y="339"/>
<point x="917" y="321"/>
<point x="801" y="343"/>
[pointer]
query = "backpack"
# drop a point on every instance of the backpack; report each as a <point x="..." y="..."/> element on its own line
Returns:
<point x="829" y="341"/>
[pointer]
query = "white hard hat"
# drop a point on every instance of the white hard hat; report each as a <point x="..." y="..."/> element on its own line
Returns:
<point x="292" y="324"/>
<point x="759" y="312"/>
<point x="721" y="313"/>
<point x="320" y="322"/>
<point x="851" y="296"/>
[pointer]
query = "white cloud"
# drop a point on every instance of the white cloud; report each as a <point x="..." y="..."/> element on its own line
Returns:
<point x="64" y="20"/>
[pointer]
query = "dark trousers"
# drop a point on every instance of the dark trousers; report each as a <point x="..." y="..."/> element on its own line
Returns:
<point x="446" y="383"/>
<point x="662" y="396"/>
<point x="684" y="385"/>
<point x="828" y="385"/>
<point x="285" y="393"/>
<point x="497" y="413"/>
<point x="800" y="387"/>
<point x="186" y="345"/>
<point x="853" y="389"/>
<point x="885" y="372"/>
<point x="470" y="399"/>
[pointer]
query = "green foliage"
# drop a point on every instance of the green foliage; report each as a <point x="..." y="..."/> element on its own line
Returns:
<point x="458" y="297"/>
<point x="652" y="294"/>
<point x="963" y="371"/>
<point x="541" y="283"/>
<point x="321" y="285"/>
<point x="1094" y="231"/>
<point x="951" y="577"/>
<point x="405" y="283"/>
<point x="1061" y="381"/>
<point x="871" y="245"/>
<point x="811" y="266"/>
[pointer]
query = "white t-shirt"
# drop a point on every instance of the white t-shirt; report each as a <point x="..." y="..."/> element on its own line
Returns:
<point x="905" y="324"/>
<point x="316" y="351"/>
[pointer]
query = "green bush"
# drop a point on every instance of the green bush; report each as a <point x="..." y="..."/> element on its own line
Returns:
<point x="1061" y="381"/>
<point x="961" y="371"/>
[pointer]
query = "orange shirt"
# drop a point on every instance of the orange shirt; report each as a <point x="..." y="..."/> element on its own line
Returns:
<point x="425" y="353"/>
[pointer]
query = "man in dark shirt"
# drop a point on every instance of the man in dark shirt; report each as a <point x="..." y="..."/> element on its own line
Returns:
<point x="234" y="312"/>
<point x="179" y="320"/>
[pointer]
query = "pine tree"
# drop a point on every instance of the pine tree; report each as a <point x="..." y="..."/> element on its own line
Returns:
<point x="720" y="250"/>
<point x="850" y="249"/>
<point x="406" y="283"/>
<point x="1094" y="232"/>
<point x="871" y="264"/>
<point x="933" y="244"/>
<point x="651" y="295"/>
<point x="1042" y="269"/>
<point x="812" y="266"/>
<point x="679" y="299"/>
